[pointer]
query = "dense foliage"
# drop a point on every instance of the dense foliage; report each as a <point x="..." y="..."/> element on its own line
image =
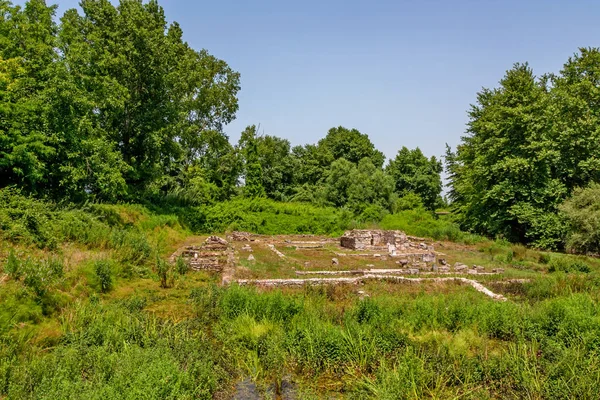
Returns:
<point x="530" y="143"/>
<point x="84" y="116"/>
<point x="582" y="215"/>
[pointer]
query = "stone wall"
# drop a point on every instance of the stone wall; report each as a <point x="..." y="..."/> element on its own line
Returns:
<point x="212" y="255"/>
<point x="364" y="239"/>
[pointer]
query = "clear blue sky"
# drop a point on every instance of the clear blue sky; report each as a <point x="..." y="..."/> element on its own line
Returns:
<point x="404" y="72"/>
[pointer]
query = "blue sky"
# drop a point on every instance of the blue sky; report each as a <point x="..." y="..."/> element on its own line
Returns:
<point x="404" y="72"/>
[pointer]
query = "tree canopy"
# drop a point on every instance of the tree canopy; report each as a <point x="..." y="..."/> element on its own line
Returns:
<point x="529" y="144"/>
<point x="107" y="102"/>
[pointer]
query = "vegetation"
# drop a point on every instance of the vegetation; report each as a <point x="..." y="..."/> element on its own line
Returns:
<point x="113" y="155"/>
<point x="530" y="143"/>
<point x="582" y="215"/>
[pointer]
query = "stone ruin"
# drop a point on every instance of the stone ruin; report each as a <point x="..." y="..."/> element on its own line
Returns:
<point x="363" y="239"/>
<point x="413" y="252"/>
<point x="236" y="236"/>
<point x="212" y="255"/>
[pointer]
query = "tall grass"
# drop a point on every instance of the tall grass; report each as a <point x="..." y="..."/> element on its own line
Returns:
<point x="389" y="346"/>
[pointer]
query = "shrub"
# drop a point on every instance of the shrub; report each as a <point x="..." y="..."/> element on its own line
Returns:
<point x="420" y="222"/>
<point x="104" y="274"/>
<point x="568" y="265"/>
<point x="181" y="266"/>
<point x="163" y="270"/>
<point x="582" y="213"/>
<point x="13" y="266"/>
<point x="264" y="216"/>
<point x="544" y="258"/>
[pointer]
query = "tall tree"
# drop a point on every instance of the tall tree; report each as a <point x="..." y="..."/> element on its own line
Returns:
<point x="501" y="174"/>
<point x="412" y="172"/>
<point x="253" y="174"/>
<point x="351" y="145"/>
<point x="573" y="112"/>
<point x="278" y="166"/>
<point x="27" y="41"/>
<point x="110" y="102"/>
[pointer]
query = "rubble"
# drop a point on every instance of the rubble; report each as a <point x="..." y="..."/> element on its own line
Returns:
<point x="212" y="255"/>
<point x="274" y="250"/>
<point x="246" y="247"/>
<point x="396" y="243"/>
<point x="428" y="257"/>
<point x="460" y="267"/>
<point x="240" y="237"/>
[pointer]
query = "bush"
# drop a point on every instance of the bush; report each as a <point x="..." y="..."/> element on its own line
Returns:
<point x="582" y="213"/>
<point x="568" y="265"/>
<point x="420" y="222"/>
<point x="164" y="272"/>
<point x="264" y="216"/>
<point x="13" y="266"/>
<point x="104" y="274"/>
<point x="181" y="266"/>
<point x="26" y="220"/>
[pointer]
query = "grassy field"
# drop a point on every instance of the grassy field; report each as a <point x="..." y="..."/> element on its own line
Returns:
<point x="83" y="315"/>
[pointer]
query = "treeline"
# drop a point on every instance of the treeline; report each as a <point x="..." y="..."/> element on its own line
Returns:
<point x="109" y="104"/>
<point x="528" y="168"/>
<point x="112" y="105"/>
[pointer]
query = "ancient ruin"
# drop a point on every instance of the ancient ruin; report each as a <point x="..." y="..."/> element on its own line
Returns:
<point x="375" y="250"/>
<point x="212" y="255"/>
<point x="412" y="251"/>
<point x="240" y="237"/>
<point x="363" y="239"/>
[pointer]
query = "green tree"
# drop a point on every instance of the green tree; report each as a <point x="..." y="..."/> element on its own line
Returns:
<point x="312" y="161"/>
<point x="350" y="144"/>
<point x="253" y="175"/>
<point x="573" y="112"/>
<point x="27" y="41"/>
<point x="357" y="187"/>
<point x="412" y="172"/>
<point x="338" y="182"/>
<point x="154" y="119"/>
<point x="110" y="102"/>
<point x="501" y="174"/>
<point x="371" y="187"/>
<point x="277" y="166"/>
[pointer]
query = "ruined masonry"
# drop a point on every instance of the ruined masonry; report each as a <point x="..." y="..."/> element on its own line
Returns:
<point x="210" y="256"/>
<point x="395" y="243"/>
<point x="362" y="239"/>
